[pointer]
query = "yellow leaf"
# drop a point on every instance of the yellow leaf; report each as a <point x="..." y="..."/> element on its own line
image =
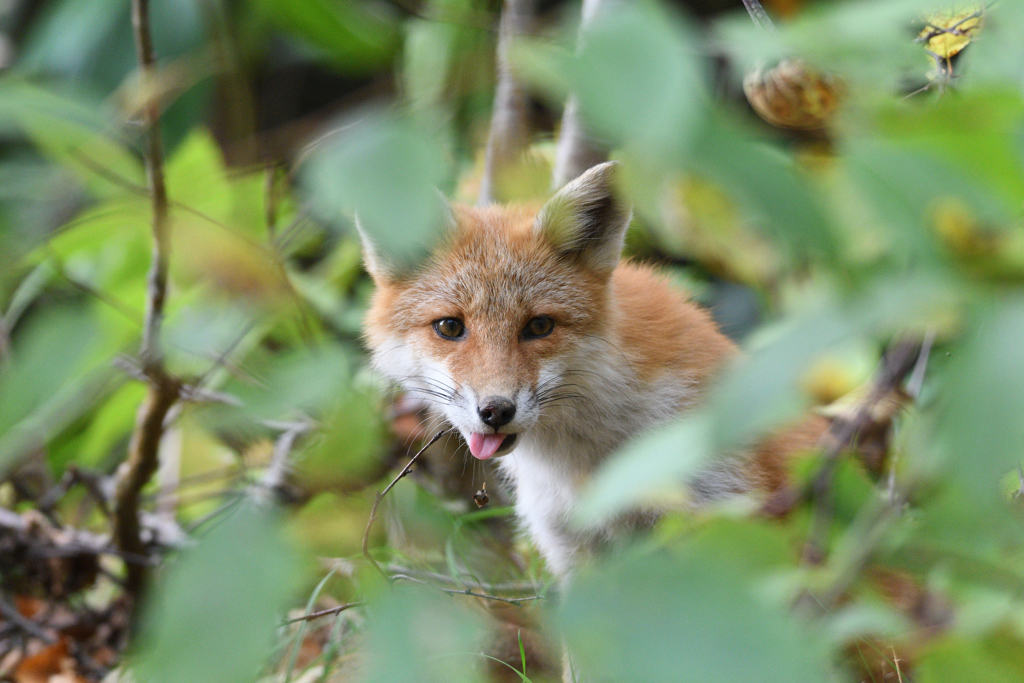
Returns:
<point x="947" y="33"/>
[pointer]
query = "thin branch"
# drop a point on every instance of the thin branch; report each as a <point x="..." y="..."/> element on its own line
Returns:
<point x="11" y="614"/>
<point x="323" y="613"/>
<point x="899" y="360"/>
<point x="380" y="497"/>
<point x="143" y="451"/>
<point x="508" y="587"/>
<point x="510" y="130"/>
<point x="759" y="16"/>
<point x="518" y="602"/>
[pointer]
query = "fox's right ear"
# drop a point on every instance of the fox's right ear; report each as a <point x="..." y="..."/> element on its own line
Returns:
<point x="586" y="220"/>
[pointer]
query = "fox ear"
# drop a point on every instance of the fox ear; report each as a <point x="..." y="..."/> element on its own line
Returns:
<point x="586" y="220"/>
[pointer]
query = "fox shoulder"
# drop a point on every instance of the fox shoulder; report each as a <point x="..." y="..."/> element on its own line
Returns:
<point x="661" y="331"/>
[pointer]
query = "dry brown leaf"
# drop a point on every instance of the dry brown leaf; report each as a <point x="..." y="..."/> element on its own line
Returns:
<point x="793" y="95"/>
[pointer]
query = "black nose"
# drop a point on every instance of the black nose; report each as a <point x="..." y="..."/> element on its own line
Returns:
<point x="497" y="411"/>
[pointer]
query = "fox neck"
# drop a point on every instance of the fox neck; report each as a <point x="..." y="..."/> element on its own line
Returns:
<point x="555" y="461"/>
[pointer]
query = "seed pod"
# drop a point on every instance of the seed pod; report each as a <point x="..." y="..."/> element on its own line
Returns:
<point x="480" y="497"/>
<point x="793" y="95"/>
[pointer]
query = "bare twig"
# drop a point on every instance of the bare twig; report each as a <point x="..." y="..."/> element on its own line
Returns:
<point x="11" y="614"/>
<point x="143" y="449"/>
<point x="510" y="132"/>
<point x="899" y="361"/>
<point x="466" y="591"/>
<point x="758" y="14"/>
<point x="273" y="481"/>
<point x="380" y="497"/>
<point x="528" y="587"/>
<point x="577" y="149"/>
<point x="323" y="613"/>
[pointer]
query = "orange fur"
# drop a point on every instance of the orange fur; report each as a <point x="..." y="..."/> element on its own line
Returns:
<point x="627" y="351"/>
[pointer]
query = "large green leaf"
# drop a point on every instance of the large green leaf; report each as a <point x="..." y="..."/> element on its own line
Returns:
<point x="52" y="379"/>
<point x="73" y="132"/>
<point x="212" y="616"/>
<point x="637" y="78"/>
<point x="768" y="185"/>
<point x="386" y="169"/>
<point x="349" y="34"/>
<point x="649" y="469"/>
<point x="420" y="636"/>
<point x="691" y="619"/>
<point x="996" y="659"/>
<point x="983" y="428"/>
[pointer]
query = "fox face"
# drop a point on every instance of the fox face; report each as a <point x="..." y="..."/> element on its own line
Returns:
<point x="493" y="330"/>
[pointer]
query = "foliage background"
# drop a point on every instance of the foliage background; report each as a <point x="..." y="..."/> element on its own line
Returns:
<point x="283" y="117"/>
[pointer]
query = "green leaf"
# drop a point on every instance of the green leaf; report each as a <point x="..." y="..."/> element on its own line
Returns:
<point x="768" y="184"/>
<point x="352" y="37"/>
<point x="351" y="443"/>
<point x="197" y="178"/>
<point x="72" y="132"/>
<point x="762" y="389"/>
<point x="386" y="169"/>
<point x="692" y="619"/>
<point x="638" y="80"/>
<point x="996" y="659"/>
<point x="212" y="617"/>
<point x="287" y="385"/>
<point x="650" y="468"/>
<point x="419" y="635"/>
<point x="978" y="162"/>
<point x="52" y="379"/>
<point x="983" y="429"/>
<point x="869" y="41"/>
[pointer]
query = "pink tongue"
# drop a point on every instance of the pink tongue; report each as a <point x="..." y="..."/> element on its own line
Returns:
<point x="483" y="446"/>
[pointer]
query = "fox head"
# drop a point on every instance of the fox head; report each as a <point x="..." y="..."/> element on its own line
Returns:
<point x="490" y="330"/>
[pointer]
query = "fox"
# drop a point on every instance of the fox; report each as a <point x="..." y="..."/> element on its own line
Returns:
<point x="528" y="333"/>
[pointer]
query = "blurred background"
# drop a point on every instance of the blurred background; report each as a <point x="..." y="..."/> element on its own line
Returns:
<point x="843" y="178"/>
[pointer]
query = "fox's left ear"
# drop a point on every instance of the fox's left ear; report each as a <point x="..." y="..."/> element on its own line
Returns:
<point x="586" y="220"/>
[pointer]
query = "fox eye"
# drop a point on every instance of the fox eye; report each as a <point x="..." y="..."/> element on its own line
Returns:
<point x="450" y="328"/>
<point x="538" y="327"/>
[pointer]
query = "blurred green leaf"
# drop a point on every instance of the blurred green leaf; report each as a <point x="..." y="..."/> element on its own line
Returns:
<point x="385" y="169"/>
<point x="289" y="385"/>
<point x="977" y="158"/>
<point x="693" y="619"/>
<point x="647" y="470"/>
<point x="769" y="185"/>
<point x="418" y="635"/>
<point x="73" y="132"/>
<point x="869" y="41"/>
<point x="212" y="617"/>
<point x="761" y="389"/>
<point x="997" y="659"/>
<point x="51" y="381"/>
<point x="983" y="429"/>
<point x="999" y="58"/>
<point x="638" y="80"/>
<point x="351" y="36"/>
<point x="111" y="424"/>
<point x="351" y="443"/>
<point x="197" y="178"/>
